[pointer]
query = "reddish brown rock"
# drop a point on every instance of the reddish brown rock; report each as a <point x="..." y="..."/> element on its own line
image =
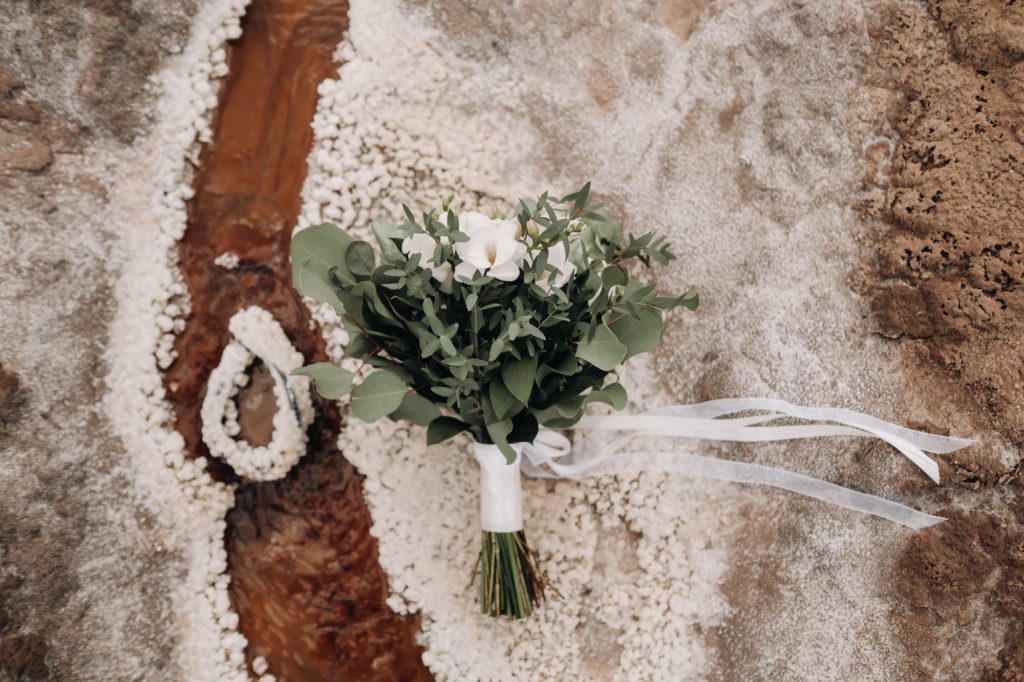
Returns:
<point x="305" y="578"/>
<point x="20" y="150"/>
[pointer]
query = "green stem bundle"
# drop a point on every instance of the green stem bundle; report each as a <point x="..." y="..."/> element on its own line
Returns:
<point x="510" y="582"/>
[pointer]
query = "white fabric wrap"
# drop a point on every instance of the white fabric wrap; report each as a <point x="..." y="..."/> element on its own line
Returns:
<point x="501" y="491"/>
<point x="603" y="453"/>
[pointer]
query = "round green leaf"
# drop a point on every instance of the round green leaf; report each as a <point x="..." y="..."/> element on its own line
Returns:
<point x="603" y="350"/>
<point x="331" y="381"/>
<point x="502" y="401"/>
<point x="639" y="334"/>
<point x="416" y="409"/>
<point x="360" y="259"/>
<point x="443" y="428"/>
<point x="518" y="377"/>
<point x="315" y="251"/>
<point x="378" y="395"/>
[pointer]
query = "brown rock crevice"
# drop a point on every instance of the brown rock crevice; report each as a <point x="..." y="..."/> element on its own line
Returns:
<point x="305" y="577"/>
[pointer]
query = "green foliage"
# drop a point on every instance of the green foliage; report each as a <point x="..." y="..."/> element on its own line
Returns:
<point x="474" y="352"/>
<point x="378" y="395"/>
<point x="330" y="380"/>
<point x="602" y="348"/>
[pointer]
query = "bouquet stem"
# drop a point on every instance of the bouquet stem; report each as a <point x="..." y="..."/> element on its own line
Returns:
<point x="510" y="582"/>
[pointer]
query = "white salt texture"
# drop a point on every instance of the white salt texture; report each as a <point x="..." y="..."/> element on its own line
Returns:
<point x="729" y="134"/>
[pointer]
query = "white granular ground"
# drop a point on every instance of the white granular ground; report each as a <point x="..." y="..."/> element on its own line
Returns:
<point x="729" y="134"/>
<point x="150" y="207"/>
<point x="732" y="140"/>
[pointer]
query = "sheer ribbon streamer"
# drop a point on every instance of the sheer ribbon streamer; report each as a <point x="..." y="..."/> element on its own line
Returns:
<point x="603" y="452"/>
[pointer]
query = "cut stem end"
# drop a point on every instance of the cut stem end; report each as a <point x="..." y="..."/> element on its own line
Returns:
<point x="510" y="583"/>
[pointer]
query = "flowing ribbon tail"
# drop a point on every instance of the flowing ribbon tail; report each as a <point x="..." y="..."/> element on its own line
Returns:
<point x="739" y="472"/>
<point x="597" y="455"/>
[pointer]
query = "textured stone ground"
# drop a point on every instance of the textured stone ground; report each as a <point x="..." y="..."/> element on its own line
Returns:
<point x="845" y="182"/>
<point x="85" y="581"/>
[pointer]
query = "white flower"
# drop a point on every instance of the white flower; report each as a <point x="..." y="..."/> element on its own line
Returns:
<point x="558" y="259"/>
<point x="423" y="244"/>
<point x="493" y="247"/>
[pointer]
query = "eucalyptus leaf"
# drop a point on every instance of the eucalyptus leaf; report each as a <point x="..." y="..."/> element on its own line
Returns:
<point x="416" y="409"/>
<point x="499" y="432"/>
<point x="360" y="259"/>
<point x="386" y="235"/>
<point x="379" y="394"/>
<point x="503" y="402"/>
<point x="639" y="334"/>
<point x="359" y="345"/>
<point x="612" y="394"/>
<point x="518" y="377"/>
<point x="315" y="252"/>
<point x="603" y="350"/>
<point x="690" y="300"/>
<point x="330" y="381"/>
<point x="442" y="428"/>
<point x="614" y="275"/>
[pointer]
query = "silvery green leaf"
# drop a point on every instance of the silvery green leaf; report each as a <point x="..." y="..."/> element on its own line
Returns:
<point x="518" y="377"/>
<point x="614" y="275"/>
<point x="360" y="259"/>
<point x="447" y="346"/>
<point x="603" y="350"/>
<point x="330" y="381"/>
<point x="612" y="394"/>
<point x="315" y="252"/>
<point x="639" y="334"/>
<point x="503" y="402"/>
<point x="499" y="432"/>
<point x="496" y="348"/>
<point x="570" y="407"/>
<point x="690" y="300"/>
<point x="416" y="409"/>
<point x="442" y="428"/>
<point x="386" y="235"/>
<point x="379" y="394"/>
<point x="359" y="345"/>
<point x="533" y="331"/>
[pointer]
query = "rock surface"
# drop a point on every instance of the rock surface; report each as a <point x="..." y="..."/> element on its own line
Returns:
<point x="84" y="580"/>
<point x="947" y="283"/>
<point x="845" y="184"/>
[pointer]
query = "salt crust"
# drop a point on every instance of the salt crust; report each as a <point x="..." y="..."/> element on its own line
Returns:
<point x="503" y="102"/>
<point x="257" y="335"/>
<point x="399" y="126"/>
<point x="639" y="559"/>
<point x="227" y="260"/>
<point x="152" y="302"/>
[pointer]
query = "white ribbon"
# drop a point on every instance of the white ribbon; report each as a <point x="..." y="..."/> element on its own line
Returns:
<point x="600" y="454"/>
<point x="501" y="493"/>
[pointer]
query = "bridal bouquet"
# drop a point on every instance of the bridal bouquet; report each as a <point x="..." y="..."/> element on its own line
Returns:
<point x="491" y="325"/>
